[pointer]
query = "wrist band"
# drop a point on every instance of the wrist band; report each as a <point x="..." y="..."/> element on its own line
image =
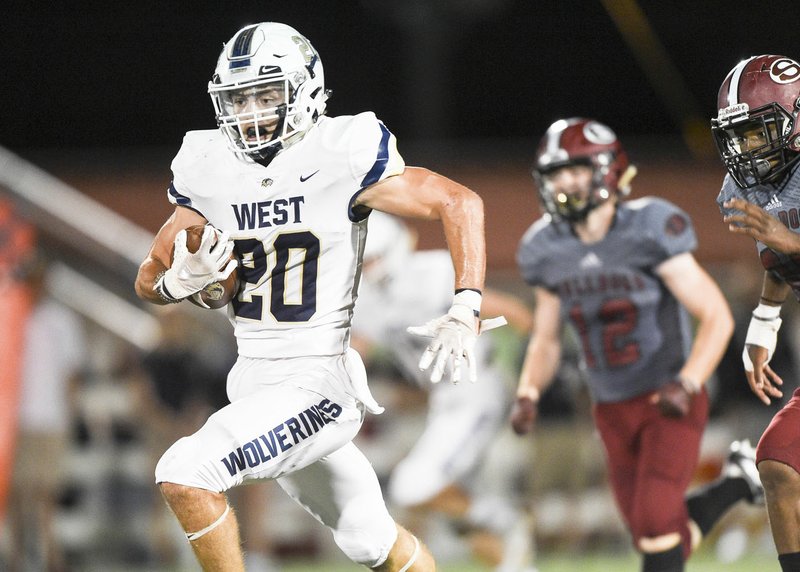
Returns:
<point x="161" y="289"/>
<point x="469" y="297"/>
<point x="773" y="302"/>
<point x="766" y="313"/>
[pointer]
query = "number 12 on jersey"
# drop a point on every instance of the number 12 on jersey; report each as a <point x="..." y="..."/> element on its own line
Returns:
<point x="618" y="317"/>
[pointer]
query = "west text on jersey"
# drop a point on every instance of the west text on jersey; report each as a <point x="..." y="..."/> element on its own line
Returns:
<point x="268" y="213"/>
<point x="276" y="441"/>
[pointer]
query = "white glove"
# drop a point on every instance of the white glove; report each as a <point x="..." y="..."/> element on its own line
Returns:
<point x="191" y="272"/>
<point x="454" y="335"/>
<point x="762" y="332"/>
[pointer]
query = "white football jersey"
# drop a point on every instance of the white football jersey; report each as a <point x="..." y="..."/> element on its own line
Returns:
<point x="298" y="240"/>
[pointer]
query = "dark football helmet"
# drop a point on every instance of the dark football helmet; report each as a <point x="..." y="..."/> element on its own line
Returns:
<point x="578" y="141"/>
<point x="756" y="129"/>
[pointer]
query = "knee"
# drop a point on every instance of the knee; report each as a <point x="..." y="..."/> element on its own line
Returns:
<point x="369" y="547"/>
<point x="177" y="495"/>
<point x="779" y="479"/>
<point x="655" y="532"/>
<point x="407" y="490"/>
<point x="655" y="544"/>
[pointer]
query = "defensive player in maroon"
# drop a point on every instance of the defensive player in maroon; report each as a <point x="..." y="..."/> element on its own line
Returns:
<point x="623" y="275"/>
<point x="758" y="137"/>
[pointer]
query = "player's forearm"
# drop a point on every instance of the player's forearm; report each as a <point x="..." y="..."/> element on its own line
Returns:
<point x="463" y="224"/>
<point x="539" y="369"/>
<point x="461" y="212"/>
<point x="149" y="271"/>
<point x="773" y="290"/>
<point x="713" y="334"/>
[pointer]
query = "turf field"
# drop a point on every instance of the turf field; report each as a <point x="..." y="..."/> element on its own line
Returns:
<point x="595" y="563"/>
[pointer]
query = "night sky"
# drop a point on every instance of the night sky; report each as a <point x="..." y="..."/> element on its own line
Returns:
<point x="134" y="74"/>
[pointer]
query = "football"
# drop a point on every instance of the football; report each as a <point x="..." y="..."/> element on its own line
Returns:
<point x="218" y="294"/>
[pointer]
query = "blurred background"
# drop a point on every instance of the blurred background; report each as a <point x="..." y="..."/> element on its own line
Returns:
<point x="94" y="106"/>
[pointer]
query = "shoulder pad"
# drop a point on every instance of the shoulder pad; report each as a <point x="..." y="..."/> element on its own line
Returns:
<point x="535" y="246"/>
<point x="663" y="223"/>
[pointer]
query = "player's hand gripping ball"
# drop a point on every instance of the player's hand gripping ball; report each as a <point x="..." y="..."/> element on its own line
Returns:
<point x="217" y="294"/>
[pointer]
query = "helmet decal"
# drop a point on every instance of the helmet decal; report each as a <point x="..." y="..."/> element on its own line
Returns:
<point x="733" y="90"/>
<point x="305" y="48"/>
<point x="241" y="52"/>
<point x="598" y="133"/>
<point x="784" y="70"/>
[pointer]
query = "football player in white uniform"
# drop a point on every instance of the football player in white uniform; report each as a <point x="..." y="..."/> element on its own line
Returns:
<point x="400" y="286"/>
<point x="289" y="191"/>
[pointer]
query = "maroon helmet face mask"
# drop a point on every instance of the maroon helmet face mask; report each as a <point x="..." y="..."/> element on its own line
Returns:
<point x="577" y="141"/>
<point x="756" y="129"/>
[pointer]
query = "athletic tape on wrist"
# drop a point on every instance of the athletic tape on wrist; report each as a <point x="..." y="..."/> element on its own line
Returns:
<point x="766" y="312"/>
<point x="762" y="332"/>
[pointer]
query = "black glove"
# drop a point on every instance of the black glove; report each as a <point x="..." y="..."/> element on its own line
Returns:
<point x="523" y="415"/>
<point x="673" y="399"/>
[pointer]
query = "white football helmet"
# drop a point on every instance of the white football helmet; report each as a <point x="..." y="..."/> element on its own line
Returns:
<point x="268" y="89"/>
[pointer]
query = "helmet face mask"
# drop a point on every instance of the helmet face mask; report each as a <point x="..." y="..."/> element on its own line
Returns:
<point x="268" y="89"/>
<point x="756" y="129"/>
<point x="755" y="149"/>
<point x="579" y="166"/>
<point x="254" y="116"/>
<point x="571" y="190"/>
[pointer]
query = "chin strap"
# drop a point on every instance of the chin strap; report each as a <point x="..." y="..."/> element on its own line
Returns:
<point x="265" y="156"/>
<point x="192" y="536"/>
<point x="624" y="183"/>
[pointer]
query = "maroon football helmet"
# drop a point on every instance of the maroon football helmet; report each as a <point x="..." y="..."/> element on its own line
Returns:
<point x="578" y="141"/>
<point x="756" y="129"/>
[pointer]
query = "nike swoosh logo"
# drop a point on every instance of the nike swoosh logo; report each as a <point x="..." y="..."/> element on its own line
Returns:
<point x="304" y="179"/>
